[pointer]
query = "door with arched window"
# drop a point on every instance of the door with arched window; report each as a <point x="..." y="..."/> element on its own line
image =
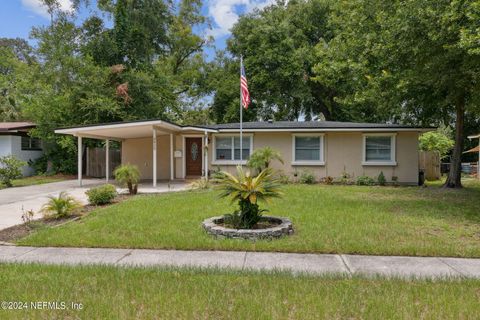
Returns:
<point x="193" y="156"/>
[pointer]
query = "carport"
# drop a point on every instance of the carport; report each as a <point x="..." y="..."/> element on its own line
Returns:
<point x="166" y="140"/>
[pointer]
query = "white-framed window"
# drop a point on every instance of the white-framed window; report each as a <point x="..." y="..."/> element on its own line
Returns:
<point x="379" y="149"/>
<point x="226" y="148"/>
<point x="29" y="143"/>
<point x="308" y="149"/>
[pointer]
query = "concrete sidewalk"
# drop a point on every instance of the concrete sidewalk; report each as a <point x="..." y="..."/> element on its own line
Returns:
<point x="422" y="267"/>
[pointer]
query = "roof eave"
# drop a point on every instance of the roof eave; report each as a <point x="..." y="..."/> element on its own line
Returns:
<point x="79" y="130"/>
<point x="327" y="129"/>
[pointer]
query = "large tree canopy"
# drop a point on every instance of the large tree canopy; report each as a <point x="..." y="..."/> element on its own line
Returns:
<point x="148" y="64"/>
<point x="277" y="44"/>
<point x="409" y="61"/>
<point x="405" y="60"/>
<point x="15" y="65"/>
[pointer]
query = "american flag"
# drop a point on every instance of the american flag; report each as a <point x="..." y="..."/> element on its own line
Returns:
<point x="244" y="86"/>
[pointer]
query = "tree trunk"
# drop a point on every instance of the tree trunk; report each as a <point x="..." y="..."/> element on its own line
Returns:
<point x="455" y="173"/>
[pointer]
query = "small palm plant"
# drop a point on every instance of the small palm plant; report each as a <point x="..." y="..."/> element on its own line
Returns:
<point x="247" y="190"/>
<point x="261" y="158"/>
<point x="61" y="206"/>
<point x="201" y="184"/>
<point x="128" y="175"/>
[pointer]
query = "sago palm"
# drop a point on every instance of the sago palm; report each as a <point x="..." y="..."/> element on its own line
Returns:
<point x="60" y="206"/>
<point x="248" y="190"/>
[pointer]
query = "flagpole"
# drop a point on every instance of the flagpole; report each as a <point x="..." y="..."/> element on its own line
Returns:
<point x="241" y="112"/>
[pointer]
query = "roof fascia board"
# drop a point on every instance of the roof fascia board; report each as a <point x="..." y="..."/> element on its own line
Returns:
<point x="118" y="125"/>
<point x="331" y="130"/>
<point x="198" y="129"/>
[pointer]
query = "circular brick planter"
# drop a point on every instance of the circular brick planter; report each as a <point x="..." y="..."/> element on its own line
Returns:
<point x="282" y="228"/>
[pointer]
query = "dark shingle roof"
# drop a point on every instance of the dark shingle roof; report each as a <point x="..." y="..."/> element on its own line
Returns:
<point x="308" y="125"/>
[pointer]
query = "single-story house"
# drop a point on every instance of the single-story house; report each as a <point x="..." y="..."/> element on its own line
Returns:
<point x="167" y="151"/>
<point x="15" y="140"/>
<point x="476" y="150"/>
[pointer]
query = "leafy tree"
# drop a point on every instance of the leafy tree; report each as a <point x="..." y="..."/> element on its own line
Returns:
<point x="20" y="48"/>
<point x="17" y="63"/>
<point x="408" y="61"/>
<point x="224" y="75"/>
<point x="277" y="45"/>
<point x="436" y="141"/>
<point x="195" y="116"/>
<point x="10" y="70"/>
<point x="149" y="64"/>
<point x="10" y="168"/>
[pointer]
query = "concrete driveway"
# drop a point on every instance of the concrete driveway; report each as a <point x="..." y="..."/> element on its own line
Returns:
<point x="12" y="200"/>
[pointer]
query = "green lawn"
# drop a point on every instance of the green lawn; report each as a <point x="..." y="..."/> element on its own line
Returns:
<point x="34" y="180"/>
<point x="327" y="219"/>
<point x="152" y="293"/>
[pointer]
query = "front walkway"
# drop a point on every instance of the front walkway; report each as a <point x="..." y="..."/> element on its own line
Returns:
<point x="14" y="200"/>
<point x="421" y="267"/>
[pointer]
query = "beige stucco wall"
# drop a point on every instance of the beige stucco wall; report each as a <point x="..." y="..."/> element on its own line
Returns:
<point x="140" y="153"/>
<point x="342" y="152"/>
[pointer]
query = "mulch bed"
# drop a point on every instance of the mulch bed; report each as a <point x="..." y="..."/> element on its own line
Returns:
<point x="19" y="231"/>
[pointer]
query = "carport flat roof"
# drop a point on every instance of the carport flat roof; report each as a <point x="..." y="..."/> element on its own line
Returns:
<point x="128" y="130"/>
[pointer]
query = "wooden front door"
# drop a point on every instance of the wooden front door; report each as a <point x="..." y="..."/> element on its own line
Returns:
<point x="193" y="156"/>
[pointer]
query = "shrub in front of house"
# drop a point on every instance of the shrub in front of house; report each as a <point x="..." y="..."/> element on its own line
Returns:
<point x="283" y="178"/>
<point x="345" y="178"/>
<point x="327" y="180"/>
<point x="307" y="177"/>
<point x="381" y="179"/>
<point x="10" y="168"/>
<point x="60" y="207"/>
<point x="101" y="195"/>
<point x="365" y="181"/>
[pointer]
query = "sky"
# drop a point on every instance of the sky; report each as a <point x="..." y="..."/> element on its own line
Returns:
<point x="17" y="17"/>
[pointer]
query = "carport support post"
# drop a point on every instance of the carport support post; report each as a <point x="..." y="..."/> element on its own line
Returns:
<point x="206" y="155"/>
<point x="79" y="160"/>
<point x="171" y="156"/>
<point x="107" y="160"/>
<point x="154" y="147"/>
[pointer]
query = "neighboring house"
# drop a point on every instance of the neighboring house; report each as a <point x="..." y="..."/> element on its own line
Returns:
<point x="168" y="151"/>
<point x="14" y="140"/>
<point x="477" y="151"/>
